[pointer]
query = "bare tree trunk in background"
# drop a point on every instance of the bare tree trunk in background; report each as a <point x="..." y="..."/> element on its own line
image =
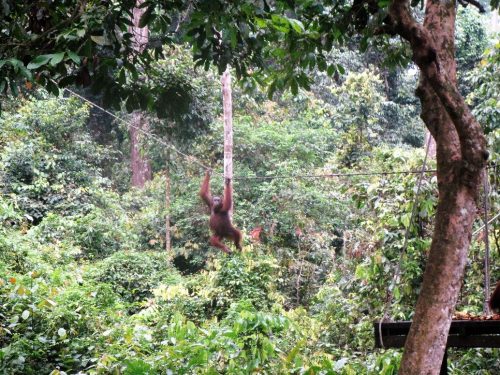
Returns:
<point x="461" y="159"/>
<point x="168" y="236"/>
<point x="141" y="168"/>
<point x="227" y="103"/>
<point x="432" y="144"/>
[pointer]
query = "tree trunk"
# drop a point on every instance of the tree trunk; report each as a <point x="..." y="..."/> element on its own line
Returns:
<point x="432" y="143"/>
<point x="227" y="103"/>
<point x="461" y="157"/>
<point x="168" y="246"/>
<point x="140" y="166"/>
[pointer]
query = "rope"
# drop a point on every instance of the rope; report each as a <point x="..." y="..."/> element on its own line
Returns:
<point x="197" y="161"/>
<point x="144" y="132"/>
<point x="390" y="295"/>
<point x="332" y="175"/>
<point x="489" y="222"/>
<point x="486" y="308"/>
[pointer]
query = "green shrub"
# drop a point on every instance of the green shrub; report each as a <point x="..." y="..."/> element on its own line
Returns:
<point x="98" y="234"/>
<point x="49" y="161"/>
<point x="133" y="275"/>
<point x="245" y="276"/>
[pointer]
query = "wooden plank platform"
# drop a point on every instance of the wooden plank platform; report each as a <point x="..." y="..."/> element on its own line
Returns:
<point x="463" y="334"/>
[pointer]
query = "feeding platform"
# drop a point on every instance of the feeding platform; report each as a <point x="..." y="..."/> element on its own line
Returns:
<point x="470" y="333"/>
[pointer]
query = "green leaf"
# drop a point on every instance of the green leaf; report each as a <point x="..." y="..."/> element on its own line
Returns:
<point x="280" y="23"/>
<point x="52" y="87"/>
<point x="147" y="17"/>
<point x="14" y="62"/>
<point x="363" y="44"/>
<point x="234" y="38"/>
<point x="331" y="70"/>
<point x="296" y="25"/>
<point x="73" y="56"/>
<point x="56" y="58"/>
<point x="321" y="64"/>
<point x="25" y="315"/>
<point x="294" y="86"/>
<point x="26" y="73"/>
<point x="397" y="293"/>
<point x="272" y="89"/>
<point x="66" y="81"/>
<point x="260" y="22"/>
<point x="13" y="88"/>
<point x="361" y="272"/>
<point x="405" y="220"/>
<point x="39" y="61"/>
<point x="121" y="77"/>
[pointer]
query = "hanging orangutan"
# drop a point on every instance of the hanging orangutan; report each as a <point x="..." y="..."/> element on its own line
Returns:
<point x="220" y="221"/>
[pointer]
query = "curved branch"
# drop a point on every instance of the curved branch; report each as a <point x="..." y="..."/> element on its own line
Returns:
<point x="475" y="3"/>
<point x="472" y="140"/>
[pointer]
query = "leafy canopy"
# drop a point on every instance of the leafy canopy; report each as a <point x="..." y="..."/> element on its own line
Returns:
<point x="90" y="42"/>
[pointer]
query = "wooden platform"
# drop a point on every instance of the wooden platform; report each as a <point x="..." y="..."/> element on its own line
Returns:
<point x="463" y="334"/>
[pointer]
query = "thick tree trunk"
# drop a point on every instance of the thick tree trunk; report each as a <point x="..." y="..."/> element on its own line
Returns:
<point x="227" y="103"/>
<point x="461" y="155"/>
<point x="140" y="166"/>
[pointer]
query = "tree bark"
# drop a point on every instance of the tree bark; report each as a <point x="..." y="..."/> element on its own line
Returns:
<point x="227" y="103"/>
<point x="140" y="165"/>
<point x="168" y="236"/>
<point x="461" y="157"/>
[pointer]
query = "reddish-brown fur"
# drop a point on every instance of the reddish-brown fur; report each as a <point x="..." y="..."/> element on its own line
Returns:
<point x="220" y="221"/>
<point x="495" y="299"/>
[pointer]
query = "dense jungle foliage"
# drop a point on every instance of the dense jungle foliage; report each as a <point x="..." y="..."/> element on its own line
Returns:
<point x="86" y="286"/>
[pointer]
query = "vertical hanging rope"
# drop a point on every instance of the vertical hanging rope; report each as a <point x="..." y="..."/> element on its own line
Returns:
<point x="486" y="192"/>
<point x="390" y="290"/>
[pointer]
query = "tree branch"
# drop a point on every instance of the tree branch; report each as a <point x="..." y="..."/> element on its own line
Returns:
<point x="78" y="11"/>
<point x="474" y="154"/>
<point x="475" y="3"/>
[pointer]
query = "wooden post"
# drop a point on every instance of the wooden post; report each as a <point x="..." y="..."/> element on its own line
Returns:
<point x="227" y="104"/>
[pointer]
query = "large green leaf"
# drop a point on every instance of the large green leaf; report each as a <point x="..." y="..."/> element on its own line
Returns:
<point x="56" y="58"/>
<point x="39" y="61"/>
<point x="73" y="56"/>
<point x="280" y="23"/>
<point x="296" y="25"/>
